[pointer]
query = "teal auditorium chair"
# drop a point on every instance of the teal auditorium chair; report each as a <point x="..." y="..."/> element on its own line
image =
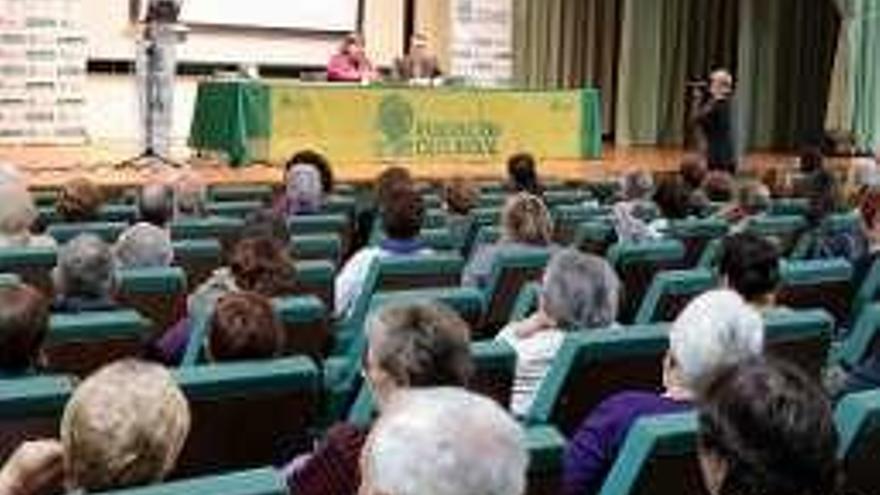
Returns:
<point x="822" y="284"/>
<point x="317" y="247"/>
<point x="316" y="278"/>
<point x="9" y="280"/>
<point x="800" y="337"/>
<point x="108" y="213"/>
<point x="566" y="196"/>
<point x="868" y="292"/>
<point x="30" y="408"/>
<point x="265" y="481"/>
<point x="546" y="448"/>
<point x="789" y="206"/>
<point x="594" y="237"/>
<point x="711" y="255"/>
<point x="468" y="302"/>
<point x="107" y="231"/>
<point x="337" y="203"/>
<point x="260" y="193"/>
<point x="33" y="265"/>
<point x="219" y="228"/>
<point x="323" y="224"/>
<point x="636" y="265"/>
<point x="157" y="293"/>
<point x="568" y="217"/>
<point x="81" y="343"/>
<point x="306" y="322"/>
<point x="858" y="422"/>
<point x="785" y="229"/>
<point x="696" y="234"/>
<point x="234" y="209"/>
<point x="527" y="301"/>
<point x="590" y="366"/>
<point x="198" y="258"/>
<point x="510" y="271"/>
<point x="414" y="272"/>
<point x="494" y="367"/>
<point x="838" y="222"/>
<point x="247" y="415"/>
<point x="658" y="457"/>
<point x="670" y="292"/>
<point x="862" y="341"/>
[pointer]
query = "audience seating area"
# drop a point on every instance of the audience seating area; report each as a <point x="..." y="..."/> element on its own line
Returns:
<point x="247" y="416"/>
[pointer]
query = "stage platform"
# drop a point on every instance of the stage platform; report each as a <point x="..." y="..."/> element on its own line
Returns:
<point x="49" y="166"/>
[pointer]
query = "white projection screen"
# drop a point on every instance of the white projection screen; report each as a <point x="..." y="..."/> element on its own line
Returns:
<point x="311" y="15"/>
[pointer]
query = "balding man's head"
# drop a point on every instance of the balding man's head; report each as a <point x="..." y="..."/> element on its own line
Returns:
<point x="721" y="83"/>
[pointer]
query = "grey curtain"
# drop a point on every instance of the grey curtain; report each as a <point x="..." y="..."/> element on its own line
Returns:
<point x="568" y="44"/>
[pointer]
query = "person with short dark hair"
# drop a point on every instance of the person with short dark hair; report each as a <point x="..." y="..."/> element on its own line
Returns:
<point x="674" y="203"/>
<point x="766" y="428"/>
<point x="317" y="160"/>
<point x="522" y="174"/>
<point x="24" y="322"/>
<point x="750" y="266"/>
<point x="79" y="200"/>
<point x="402" y="215"/>
<point x="156" y="204"/>
<point x="719" y="187"/>
<point x="244" y="327"/>
<point x="460" y="197"/>
<point x="827" y="240"/>
<point x="416" y="345"/>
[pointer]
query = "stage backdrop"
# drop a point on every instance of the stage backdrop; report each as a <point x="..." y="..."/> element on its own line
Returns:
<point x="253" y="121"/>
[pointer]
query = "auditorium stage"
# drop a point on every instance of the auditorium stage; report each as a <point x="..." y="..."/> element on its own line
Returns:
<point x="49" y="166"/>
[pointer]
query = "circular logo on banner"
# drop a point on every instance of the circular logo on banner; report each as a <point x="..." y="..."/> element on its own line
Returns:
<point x="396" y="118"/>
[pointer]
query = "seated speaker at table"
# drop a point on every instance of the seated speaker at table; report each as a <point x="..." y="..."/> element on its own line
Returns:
<point x="420" y="63"/>
<point x="351" y="63"/>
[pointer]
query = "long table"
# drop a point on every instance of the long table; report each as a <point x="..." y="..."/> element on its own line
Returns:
<point x="255" y="121"/>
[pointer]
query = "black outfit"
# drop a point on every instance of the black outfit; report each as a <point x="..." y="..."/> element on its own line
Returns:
<point x="716" y="122"/>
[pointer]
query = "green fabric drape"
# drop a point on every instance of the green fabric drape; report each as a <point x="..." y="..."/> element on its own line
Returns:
<point x="568" y="44"/>
<point x="864" y="39"/>
<point x="663" y="48"/>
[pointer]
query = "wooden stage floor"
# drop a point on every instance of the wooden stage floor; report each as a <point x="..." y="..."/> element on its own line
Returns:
<point x="48" y="166"/>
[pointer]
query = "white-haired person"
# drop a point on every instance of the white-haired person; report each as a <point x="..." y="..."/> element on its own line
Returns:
<point x="408" y="346"/>
<point x="579" y="292"/>
<point x="124" y="426"/>
<point x="716" y="330"/>
<point x="18" y="213"/>
<point x="143" y="245"/>
<point x="85" y="276"/>
<point x="444" y="441"/>
<point x="632" y="213"/>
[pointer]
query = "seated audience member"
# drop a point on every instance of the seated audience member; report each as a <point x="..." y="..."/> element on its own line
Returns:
<point x="156" y="204"/>
<point x="522" y="174"/>
<point x="304" y="192"/>
<point x="631" y="213"/>
<point x="84" y="277"/>
<point x="579" y="292"/>
<point x="823" y="196"/>
<point x="18" y="213"/>
<point x="124" y="427"/>
<point x="190" y="196"/>
<point x="869" y="211"/>
<point x="10" y="174"/>
<point x="257" y="264"/>
<point x="752" y="200"/>
<point x="351" y="63"/>
<point x="79" y="200"/>
<point x="525" y="225"/>
<point x="320" y="162"/>
<point x="445" y="441"/>
<point x="388" y="181"/>
<point x="143" y="245"/>
<point x="749" y="265"/>
<point x="460" y="197"/>
<point x="24" y="322"/>
<point x="715" y="330"/>
<point x="693" y="171"/>
<point x="408" y="346"/>
<point x="673" y="201"/>
<point x="767" y="428"/>
<point x="244" y="327"/>
<point x="402" y="215"/>
<point x="719" y="187"/>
